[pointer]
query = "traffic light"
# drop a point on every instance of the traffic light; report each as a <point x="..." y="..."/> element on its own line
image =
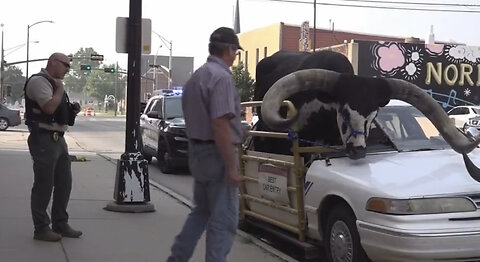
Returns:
<point x="109" y="70"/>
<point x="96" y="57"/>
<point x="86" y="67"/>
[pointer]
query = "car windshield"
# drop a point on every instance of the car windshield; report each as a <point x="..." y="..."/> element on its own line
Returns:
<point x="173" y="107"/>
<point x="476" y="110"/>
<point x="406" y="128"/>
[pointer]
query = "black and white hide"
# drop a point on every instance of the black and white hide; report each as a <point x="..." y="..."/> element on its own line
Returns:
<point x="339" y="117"/>
<point x="355" y="101"/>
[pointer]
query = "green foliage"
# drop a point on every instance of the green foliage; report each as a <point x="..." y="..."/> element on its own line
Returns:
<point x="100" y="84"/>
<point x="76" y="79"/>
<point x="94" y="82"/>
<point x="244" y="83"/>
<point x="13" y="76"/>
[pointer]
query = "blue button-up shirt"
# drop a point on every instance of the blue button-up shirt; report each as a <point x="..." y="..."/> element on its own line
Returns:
<point x="209" y="94"/>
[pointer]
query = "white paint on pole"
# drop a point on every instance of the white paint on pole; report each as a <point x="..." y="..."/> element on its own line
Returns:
<point x="121" y="45"/>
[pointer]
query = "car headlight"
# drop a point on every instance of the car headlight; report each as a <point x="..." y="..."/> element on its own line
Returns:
<point x="420" y="205"/>
<point x="473" y="122"/>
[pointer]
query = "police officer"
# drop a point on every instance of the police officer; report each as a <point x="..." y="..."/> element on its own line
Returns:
<point x="48" y="114"/>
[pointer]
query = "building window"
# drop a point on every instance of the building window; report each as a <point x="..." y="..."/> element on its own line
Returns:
<point x="264" y="52"/>
<point x="239" y="57"/>
<point x="257" y="56"/>
<point x="246" y="61"/>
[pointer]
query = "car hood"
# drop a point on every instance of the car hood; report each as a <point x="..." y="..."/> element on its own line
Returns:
<point x="407" y="174"/>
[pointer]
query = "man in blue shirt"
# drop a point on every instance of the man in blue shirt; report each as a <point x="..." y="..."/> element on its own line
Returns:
<point x="211" y="107"/>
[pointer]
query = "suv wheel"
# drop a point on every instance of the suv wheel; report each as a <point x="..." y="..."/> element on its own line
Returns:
<point x="163" y="159"/>
<point x="3" y="124"/>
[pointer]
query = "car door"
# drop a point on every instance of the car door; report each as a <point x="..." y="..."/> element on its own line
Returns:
<point x="148" y="127"/>
<point x="156" y="122"/>
<point x="144" y="125"/>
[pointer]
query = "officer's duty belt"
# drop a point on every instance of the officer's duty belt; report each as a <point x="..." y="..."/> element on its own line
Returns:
<point x="54" y="134"/>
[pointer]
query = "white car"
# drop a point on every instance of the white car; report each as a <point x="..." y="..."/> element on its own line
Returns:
<point x="463" y="114"/>
<point x="410" y="199"/>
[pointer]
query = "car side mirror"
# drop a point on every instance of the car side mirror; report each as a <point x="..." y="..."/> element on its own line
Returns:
<point x="153" y="114"/>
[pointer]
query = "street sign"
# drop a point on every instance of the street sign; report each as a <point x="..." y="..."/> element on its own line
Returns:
<point x="96" y="57"/>
<point x="121" y="44"/>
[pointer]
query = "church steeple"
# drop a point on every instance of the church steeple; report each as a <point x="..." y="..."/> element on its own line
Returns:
<point x="236" y="22"/>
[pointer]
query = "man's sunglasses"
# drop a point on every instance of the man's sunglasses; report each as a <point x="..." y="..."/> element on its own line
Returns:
<point x="67" y="65"/>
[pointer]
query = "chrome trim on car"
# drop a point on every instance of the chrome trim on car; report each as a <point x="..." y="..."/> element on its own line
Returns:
<point x="396" y="233"/>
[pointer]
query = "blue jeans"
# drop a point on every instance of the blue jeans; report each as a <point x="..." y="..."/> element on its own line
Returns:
<point x="216" y="208"/>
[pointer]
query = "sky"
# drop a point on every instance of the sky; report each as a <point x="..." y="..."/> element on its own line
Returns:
<point x="188" y="23"/>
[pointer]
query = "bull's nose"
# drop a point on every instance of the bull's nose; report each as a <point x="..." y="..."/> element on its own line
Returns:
<point x="356" y="152"/>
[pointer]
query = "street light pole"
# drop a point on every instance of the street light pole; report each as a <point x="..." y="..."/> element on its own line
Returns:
<point x="1" y="69"/>
<point x="169" y="43"/>
<point x="28" y="41"/>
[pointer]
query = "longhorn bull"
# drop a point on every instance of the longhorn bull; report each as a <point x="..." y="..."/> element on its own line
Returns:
<point x="324" y="82"/>
<point x="329" y="102"/>
<point x="319" y="109"/>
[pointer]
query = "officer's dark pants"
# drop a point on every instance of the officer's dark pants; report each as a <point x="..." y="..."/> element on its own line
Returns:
<point x="51" y="168"/>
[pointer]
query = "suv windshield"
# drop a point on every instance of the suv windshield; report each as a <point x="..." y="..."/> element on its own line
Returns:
<point x="173" y="107"/>
<point x="409" y="129"/>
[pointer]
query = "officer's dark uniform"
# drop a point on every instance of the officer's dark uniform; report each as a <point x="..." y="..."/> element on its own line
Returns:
<point x="51" y="162"/>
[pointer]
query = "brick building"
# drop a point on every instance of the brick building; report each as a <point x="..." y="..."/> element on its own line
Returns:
<point x="265" y="41"/>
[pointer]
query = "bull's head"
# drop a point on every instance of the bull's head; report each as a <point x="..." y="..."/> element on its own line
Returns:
<point x="357" y="106"/>
<point x="355" y="110"/>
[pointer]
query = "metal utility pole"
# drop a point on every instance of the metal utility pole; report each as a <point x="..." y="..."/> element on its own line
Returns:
<point x="28" y="41"/>
<point x="132" y="186"/>
<point x="2" y="62"/>
<point x="169" y="43"/>
<point x="314" y="24"/>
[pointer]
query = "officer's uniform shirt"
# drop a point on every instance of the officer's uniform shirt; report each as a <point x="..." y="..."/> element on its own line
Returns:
<point x="41" y="91"/>
<point x="209" y="94"/>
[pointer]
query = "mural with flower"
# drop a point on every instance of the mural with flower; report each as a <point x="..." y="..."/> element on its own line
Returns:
<point x="449" y="73"/>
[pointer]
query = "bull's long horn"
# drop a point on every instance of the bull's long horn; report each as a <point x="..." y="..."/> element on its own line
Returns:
<point x="299" y="81"/>
<point x="417" y="97"/>
<point x="473" y="170"/>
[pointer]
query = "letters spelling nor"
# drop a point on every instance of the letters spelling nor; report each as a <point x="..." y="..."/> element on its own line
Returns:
<point x="452" y="74"/>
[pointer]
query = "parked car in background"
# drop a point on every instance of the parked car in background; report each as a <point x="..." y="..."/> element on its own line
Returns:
<point x="462" y="114"/>
<point x="162" y="131"/>
<point x="9" y="117"/>
<point x="473" y="122"/>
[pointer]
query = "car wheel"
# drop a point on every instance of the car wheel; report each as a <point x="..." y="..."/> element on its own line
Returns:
<point x="163" y="159"/>
<point x="342" y="241"/>
<point x="3" y="124"/>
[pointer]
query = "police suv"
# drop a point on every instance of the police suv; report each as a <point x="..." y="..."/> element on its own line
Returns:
<point x="162" y="131"/>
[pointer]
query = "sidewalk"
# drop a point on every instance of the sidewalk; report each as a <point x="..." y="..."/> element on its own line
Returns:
<point x="107" y="236"/>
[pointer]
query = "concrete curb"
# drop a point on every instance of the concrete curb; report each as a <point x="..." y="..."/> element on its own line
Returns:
<point x="185" y="201"/>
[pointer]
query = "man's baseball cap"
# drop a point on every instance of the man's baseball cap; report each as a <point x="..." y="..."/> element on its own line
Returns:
<point x="225" y="35"/>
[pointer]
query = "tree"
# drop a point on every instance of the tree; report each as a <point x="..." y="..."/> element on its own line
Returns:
<point x="100" y="83"/>
<point x="13" y="76"/>
<point x="76" y="79"/>
<point x="244" y="83"/>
